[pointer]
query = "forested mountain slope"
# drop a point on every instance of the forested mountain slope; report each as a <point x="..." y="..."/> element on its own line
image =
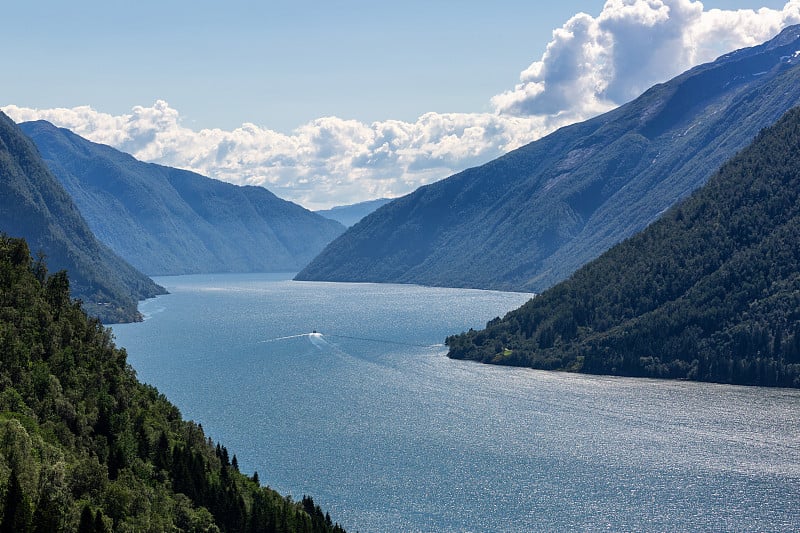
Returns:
<point x="533" y="216"/>
<point x="169" y="221"/>
<point x="710" y="291"/>
<point x="85" y="447"/>
<point x="35" y="206"/>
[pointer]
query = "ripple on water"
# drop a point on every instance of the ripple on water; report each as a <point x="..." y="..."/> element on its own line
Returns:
<point x="388" y="436"/>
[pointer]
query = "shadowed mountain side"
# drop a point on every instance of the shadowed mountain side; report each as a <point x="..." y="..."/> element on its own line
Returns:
<point x="170" y="221"/>
<point x="530" y="218"/>
<point x="710" y="291"/>
<point x="35" y="206"/>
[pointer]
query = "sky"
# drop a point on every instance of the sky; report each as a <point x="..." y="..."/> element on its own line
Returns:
<point x="334" y="102"/>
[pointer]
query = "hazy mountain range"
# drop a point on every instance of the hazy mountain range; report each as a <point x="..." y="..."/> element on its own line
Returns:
<point x="532" y="217"/>
<point x="349" y="215"/>
<point x="523" y="222"/>
<point x="34" y="205"/>
<point x="170" y="221"/>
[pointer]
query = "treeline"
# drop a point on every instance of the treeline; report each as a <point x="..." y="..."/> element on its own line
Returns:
<point x="85" y="447"/>
<point x="710" y="292"/>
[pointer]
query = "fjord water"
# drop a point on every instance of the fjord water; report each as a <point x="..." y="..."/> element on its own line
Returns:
<point x="387" y="434"/>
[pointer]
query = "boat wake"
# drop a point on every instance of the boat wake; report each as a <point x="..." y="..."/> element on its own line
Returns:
<point x="316" y="338"/>
<point x="386" y="341"/>
<point x="319" y="340"/>
<point x="291" y="337"/>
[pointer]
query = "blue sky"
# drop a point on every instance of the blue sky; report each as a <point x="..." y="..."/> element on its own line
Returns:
<point x="278" y="64"/>
<point x="335" y="102"/>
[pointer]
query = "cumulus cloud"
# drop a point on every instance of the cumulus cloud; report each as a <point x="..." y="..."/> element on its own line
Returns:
<point x="596" y="63"/>
<point x="592" y="64"/>
<point x="325" y="162"/>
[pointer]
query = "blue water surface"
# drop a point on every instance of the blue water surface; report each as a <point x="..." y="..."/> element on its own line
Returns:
<point x="369" y="417"/>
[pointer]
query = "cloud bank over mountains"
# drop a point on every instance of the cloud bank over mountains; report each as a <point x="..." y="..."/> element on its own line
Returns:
<point x="591" y="65"/>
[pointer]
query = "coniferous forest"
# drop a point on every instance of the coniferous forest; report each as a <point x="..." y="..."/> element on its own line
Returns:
<point x="86" y="447"/>
<point x="709" y="292"/>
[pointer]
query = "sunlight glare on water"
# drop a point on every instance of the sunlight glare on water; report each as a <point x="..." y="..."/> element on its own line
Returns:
<point x="369" y="417"/>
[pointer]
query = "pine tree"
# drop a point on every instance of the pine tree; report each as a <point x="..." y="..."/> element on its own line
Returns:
<point x="17" y="513"/>
<point x="99" y="523"/>
<point x="86" y="525"/>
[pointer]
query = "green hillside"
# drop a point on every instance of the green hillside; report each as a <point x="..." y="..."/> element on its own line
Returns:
<point x="709" y="292"/>
<point x="85" y="447"/>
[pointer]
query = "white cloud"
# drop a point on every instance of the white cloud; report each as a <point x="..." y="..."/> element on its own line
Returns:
<point x="591" y="65"/>
<point x="594" y="63"/>
<point x="325" y="162"/>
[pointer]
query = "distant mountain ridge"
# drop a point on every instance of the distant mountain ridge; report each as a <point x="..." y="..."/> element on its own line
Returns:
<point x="532" y="217"/>
<point x="169" y="221"/>
<point x="710" y="291"/>
<point x="35" y="206"/>
<point x="351" y="214"/>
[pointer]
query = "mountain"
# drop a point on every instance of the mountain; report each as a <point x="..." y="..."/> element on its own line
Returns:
<point x="34" y="205"/>
<point x="532" y="217"/>
<point x="86" y="447"/>
<point x="711" y="291"/>
<point x="169" y="221"/>
<point x="349" y="215"/>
